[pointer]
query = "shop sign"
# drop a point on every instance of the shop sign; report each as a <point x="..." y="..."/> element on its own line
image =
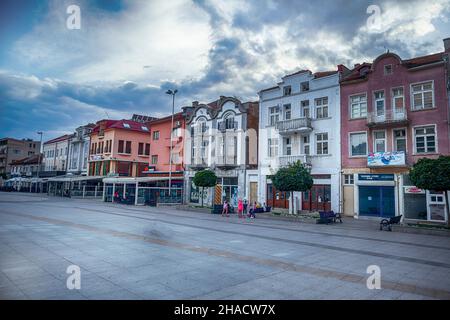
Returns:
<point x="414" y="190"/>
<point x="381" y="159"/>
<point x="376" y="177"/>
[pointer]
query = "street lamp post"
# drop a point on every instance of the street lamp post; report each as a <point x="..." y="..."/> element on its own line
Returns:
<point x="39" y="158"/>
<point x="172" y="93"/>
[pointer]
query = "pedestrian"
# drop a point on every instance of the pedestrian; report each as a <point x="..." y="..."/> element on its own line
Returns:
<point x="225" y="208"/>
<point x="240" y="208"/>
<point x="245" y="206"/>
<point x="251" y="213"/>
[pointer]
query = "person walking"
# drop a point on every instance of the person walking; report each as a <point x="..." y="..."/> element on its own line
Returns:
<point x="251" y="213"/>
<point x="225" y="208"/>
<point x="240" y="208"/>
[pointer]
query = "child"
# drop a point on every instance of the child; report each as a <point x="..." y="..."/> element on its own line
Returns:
<point x="225" y="208"/>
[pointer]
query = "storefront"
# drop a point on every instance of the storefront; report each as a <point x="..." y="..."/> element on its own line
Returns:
<point x="421" y="205"/>
<point x="276" y="198"/>
<point x="376" y="195"/>
<point x="317" y="199"/>
<point x="143" y="190"/>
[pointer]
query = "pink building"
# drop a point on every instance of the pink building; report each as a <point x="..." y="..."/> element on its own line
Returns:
<point x="119" y="147"/>
<point x="393" y="112"/>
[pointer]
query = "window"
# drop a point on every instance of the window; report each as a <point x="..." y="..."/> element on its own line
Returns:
<point x="287" y="111"/>
<point x="141" y="149"/>
<point x="304" y="86"/>
<point x="128" y="147"/>
<point x="287" y="146"/>
<point x="378" y="103"/>
<point x="398" y="100"/>
<point x="274" y="115"/>
<point x="155" y="135"/>
<point x="121" y="145"/>
<point x="144" y="128"/>
<point x="349" y="179"/>
<point x="306" y="148"/>
<point x="147" y="149"/>
<point x="358" y="106"/>
<point x="229" y="121"/>
<point x="322" y="143"/>
<point x="387" y="69"/>
<point x="154" y="159"/>
<point x="273" y="147"/>
<point x="304" y="109"/>
<point x="358" y="144"/>
<point x="379" y="141"/>
<point x="425" y="139"/>
<point x="422" y="96"/>
<point x="287" y="91"/>
<point x="126" y="125"/>
<point x="322" y="108"/>
<point x="399" y="140"/>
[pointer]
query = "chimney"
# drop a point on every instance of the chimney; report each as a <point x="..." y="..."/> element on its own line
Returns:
<point x="447" y="44"/>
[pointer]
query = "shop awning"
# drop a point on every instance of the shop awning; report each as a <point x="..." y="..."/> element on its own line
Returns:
<point x="127" y="180"/>
<point x="74" y="178"/>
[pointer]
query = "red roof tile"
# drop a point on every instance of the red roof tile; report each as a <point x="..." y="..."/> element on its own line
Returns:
<point x="58" y="139"/>
<point x="119" y="124"/>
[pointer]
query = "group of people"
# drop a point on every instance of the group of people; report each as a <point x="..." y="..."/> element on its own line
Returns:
<point x="241" y="209"/>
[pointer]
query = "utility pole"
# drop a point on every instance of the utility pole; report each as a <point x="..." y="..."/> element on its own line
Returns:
<point x="172" y="93"/>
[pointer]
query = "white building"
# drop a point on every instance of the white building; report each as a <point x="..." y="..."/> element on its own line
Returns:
<point x="221" y="136"/>
<point x="300" y="120"/>
<point x="79" y="150"/>
<point x="56" y="155"/>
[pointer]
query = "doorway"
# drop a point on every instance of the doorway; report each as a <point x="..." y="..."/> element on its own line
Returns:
<point x="377" y="201"/>
<point x="317" y="199"/>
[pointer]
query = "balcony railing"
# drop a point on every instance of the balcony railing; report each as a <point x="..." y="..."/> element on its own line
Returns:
<point x="226" y="161"/>
<point x="389" y="117"/>
<point x="294" y="125"/>
<point x="284" y="161"/>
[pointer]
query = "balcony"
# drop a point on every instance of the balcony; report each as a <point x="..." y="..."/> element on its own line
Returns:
<point x="284" y="161"/>
<point x="299" y="125"/>
<point x="198" y="163"/>
<point x="389" y="118"/>
<point x="226" y="162"/>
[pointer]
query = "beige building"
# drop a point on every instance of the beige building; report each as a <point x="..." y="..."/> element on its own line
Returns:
<point x="15" y="149"/>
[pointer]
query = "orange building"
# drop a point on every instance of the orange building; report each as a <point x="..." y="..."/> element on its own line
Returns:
<point x="119" y="148"/>
<point x="160" y="143"/>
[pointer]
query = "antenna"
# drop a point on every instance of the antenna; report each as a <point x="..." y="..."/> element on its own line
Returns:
<point x="107" y="115"/>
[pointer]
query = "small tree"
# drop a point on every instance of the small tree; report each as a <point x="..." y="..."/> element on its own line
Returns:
<point x="294" y="177"/>
<point x="205" y="179"/>
<point x="433" y="174"/>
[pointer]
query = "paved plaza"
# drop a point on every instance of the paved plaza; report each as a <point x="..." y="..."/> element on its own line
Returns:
<point x="127" y="252"/>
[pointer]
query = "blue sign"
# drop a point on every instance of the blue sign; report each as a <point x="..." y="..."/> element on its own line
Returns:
<point x="376" y="177"/>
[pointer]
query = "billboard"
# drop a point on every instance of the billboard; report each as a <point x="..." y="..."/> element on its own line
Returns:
<point x="382" y="159"/>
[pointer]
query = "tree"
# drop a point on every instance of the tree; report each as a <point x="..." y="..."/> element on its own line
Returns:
<point x="433" y="174"/>
<point x="205" y="179"/>
<point x="294" y="177"/>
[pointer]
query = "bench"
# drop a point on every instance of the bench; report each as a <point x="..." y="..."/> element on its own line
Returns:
<point x="385" y="223"/>
<point x="327" y="217"/>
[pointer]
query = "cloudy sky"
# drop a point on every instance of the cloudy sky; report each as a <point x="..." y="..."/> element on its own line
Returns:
<point x="127" y="53"/>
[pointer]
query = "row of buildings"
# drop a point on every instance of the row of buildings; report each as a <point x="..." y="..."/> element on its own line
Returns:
<point x="358" y="129"/>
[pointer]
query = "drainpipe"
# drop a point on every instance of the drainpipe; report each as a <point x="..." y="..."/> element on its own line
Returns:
<point x="341" y="193"/>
